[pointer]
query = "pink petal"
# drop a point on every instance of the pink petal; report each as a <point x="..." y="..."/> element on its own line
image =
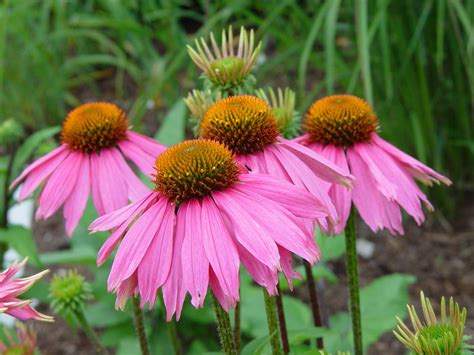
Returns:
<point x="126" y="289"/>
<point x="287" y="267"/>
<point x="147" y="144"/>
<point x="59" y="186"/>
<point x="248" y="232"/>
<point x="59" y="151"/>
<point x="144" y="161"/>
<point x="285" y="229"/>
<point x="417" y="169"/>
<point x="136" y="243"/>
<point x="27" y="312"/>
<point x="318" y="164"/>
<point x="174" y="291"/>
<point x="296" y="200"/>
<point x="95" y="184"/>
<point x="155" y="266"/>
<point x="226" y="302"/>
<point x="136" y="188"/>
<point x="373" y="207"/>
<point x="220" y="250"/>
<point x="193" y="258"/>
<point x="75" y="204"/>
<point x="34" y="177"/>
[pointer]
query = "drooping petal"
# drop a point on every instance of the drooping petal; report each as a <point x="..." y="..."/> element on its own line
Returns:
<point x="59" y="186"/>
<point x="194" y="262"/>
<point x="297" y="201"/>
<point x="53" y="158"/>
<point x="75" y="204"/>
<point x="126" y="289"/>
<point x="220" y="250"/>
<point x="136" y="188"/>
<point x="155" y="266"/>
<point x="226" y="302"/>
<point x="285" y="229"/>
<point x="318" y="164"/>
<point x="373" y="207"/>
<point x="147" y="144"/>
<point x="144" y="161"/>
<point x="135" y="243"/>
<point x="248" y="232"/>
<point x="287" y="267"/>
<point x="174" y="291"/>
<point x="416" y="168"/>
<point x="27" y="312"/>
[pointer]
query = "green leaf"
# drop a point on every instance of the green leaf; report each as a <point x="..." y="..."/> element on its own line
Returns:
<point x="21" y="239"/>
<point x="332" y="247"/>
<point x="82" y="254"/>
<point x="103" y="314"/>
<point x="257" y="346"/>
<point x="172" y="129"/>
<point x="320" y="271"/>
<point x="29" y="147"/>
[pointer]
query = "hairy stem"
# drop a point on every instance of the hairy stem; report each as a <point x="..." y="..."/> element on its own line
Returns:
<point x="313" y="296"/>
<point x="282" y="322"/>
<point x="272" y="321"/>
<point x="225" y="330"/>
<point x="173" y="331"/>
<point x="237" y="327"/>
<point x="353" y="279"/>
<point x="140" y="326"/>
<point x="91" y="334"/>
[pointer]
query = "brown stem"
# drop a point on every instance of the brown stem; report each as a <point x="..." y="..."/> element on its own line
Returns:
<point x="314" y="301"/>
<point x="282" y="322"/>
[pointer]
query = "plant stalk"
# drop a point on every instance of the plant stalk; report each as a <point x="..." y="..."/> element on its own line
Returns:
<point x="282" y="322"/>
<point x="140" y="326"/>
<point x="91" y="334"/>
<point x="353" y="279"/>
<point x="225" y="330"/>
<point x="272" y="321"/>
<point x="237" y="327"/>
<point x="313" y="296"/>
<point x="174" y="337"/>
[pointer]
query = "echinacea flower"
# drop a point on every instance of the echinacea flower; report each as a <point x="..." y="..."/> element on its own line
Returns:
<point x="343" y="128"/>
<point x="95" y="139"/>
<point x="227" y="65"/>
<point x="433" y="336"/>
<point x="247" y="126"/>
<point x="11" y="288"/>
<point x="205" y="217"/>
<point x="22" y="343"/>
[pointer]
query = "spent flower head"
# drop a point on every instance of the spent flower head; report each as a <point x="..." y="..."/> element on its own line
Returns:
<point x="69" y="293"/>
<point x="433" y="336"/>
<point x="198" y="102"/>
<point x="226" y="67"/>
<point x="282" y="104"/>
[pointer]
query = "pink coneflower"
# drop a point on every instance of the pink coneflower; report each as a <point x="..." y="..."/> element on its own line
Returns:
<point x="95" y="138"/>
<point x="247" y="126"/>
<point x="11" y="288"/>
<point x="205" y="217"/>
<point x="343" y="128"/>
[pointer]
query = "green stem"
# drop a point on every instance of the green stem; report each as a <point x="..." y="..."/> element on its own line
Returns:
<point x="237" y="327"/>
<point x="140" y="326"/>
<point x="313" y="296"/>
<point x="225" y="330"/>
<point x="91" y="334"/>
<point x="270" y="307"/>
<point x="174" y="337"/>
<point x="353" y="279"/>
<point x="282" y="322"/>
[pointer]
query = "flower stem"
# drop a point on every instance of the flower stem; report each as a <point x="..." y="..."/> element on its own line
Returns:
<point x="237" y="327"/>
<point x="140" y="326"/>
<point x="282" y="322"/>
<point x="174" y="337"/>
<point x="313" y="296"/>
<point x="91" y="334"/>
<point x="272" y="321"/>
<point x="352" y="274"/>
<point x="225" y="330"/>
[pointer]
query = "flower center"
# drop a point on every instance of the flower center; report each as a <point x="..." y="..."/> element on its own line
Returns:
<point x="340" y="120"/>
<point x="93" y="126"/>
<point x="243" y="123"/>
<point x="193" y="169"/>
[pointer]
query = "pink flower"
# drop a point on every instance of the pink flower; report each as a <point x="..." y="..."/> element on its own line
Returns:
<point x="248" y="127"/>
<point x="95" y="139"/>
<point x="205" y="217"/>
<point x="11" y="288"/>
<point x="343" y="128"/>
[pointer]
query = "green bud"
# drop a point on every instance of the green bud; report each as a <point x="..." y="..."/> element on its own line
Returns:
<point x="10" y="132"/>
